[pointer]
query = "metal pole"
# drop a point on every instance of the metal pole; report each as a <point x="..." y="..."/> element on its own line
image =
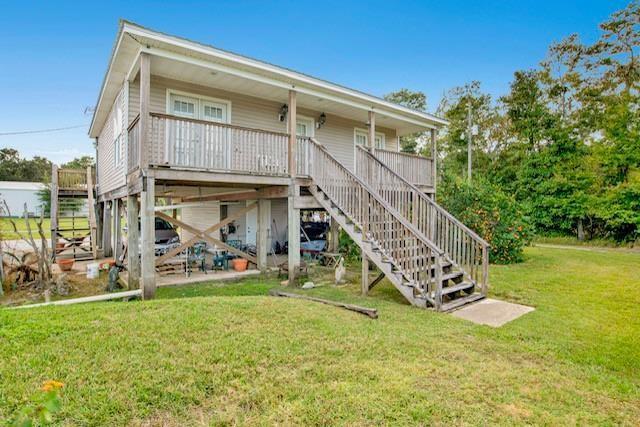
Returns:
<point x="469" y="142"/>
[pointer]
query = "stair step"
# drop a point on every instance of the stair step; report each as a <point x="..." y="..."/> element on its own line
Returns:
<point x="449" y="276"/>
<point x="459" y="302"/>
<point x="459" y="287"/>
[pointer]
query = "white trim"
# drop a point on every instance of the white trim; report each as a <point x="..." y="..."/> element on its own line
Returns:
<point x="199" y="98"/>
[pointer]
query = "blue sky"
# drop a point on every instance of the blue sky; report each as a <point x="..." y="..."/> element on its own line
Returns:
<point x="55" y="54"/>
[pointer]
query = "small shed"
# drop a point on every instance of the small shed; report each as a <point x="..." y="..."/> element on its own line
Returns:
<point x="17" y="193"/>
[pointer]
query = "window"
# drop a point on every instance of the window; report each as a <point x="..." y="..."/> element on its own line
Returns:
<point x="198" y="107"/>
<point x="361" y="137"/>
<point x="118" y="132"/>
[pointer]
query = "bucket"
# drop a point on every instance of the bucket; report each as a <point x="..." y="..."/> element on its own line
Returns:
<point x="93" y="270"/>
<point x="240" y="264"/>
<point x="65" y="264"/>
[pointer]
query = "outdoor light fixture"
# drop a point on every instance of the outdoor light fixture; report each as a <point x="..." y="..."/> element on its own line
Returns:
<point x="283" y="112"/>
<point x="321" y="120"/>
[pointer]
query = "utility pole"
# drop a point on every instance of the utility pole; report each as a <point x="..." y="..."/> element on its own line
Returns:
<point x="469" y="142"/>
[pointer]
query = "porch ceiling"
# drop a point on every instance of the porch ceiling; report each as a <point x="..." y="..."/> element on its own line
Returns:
<point x="183" y="59"/>
<point x="175" y="69"/>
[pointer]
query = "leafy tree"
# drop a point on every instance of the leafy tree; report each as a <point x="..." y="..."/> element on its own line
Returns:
<point x="15" y="168"/>
<point x="416" y="101"/>
<point x="79" y="163"/>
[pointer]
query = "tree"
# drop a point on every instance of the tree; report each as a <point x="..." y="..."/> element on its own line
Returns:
<point x="79" y="163"/>
<point x="416" y="101"/>
<point x="14" y="168"/>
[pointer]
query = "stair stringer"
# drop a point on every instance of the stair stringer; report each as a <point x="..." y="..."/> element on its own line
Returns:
<point x="386" y="266"/>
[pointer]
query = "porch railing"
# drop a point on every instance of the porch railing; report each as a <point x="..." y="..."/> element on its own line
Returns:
<point x="199" y="144"/>
<point x="73" y="179"/>
<point x="416" y="169"/>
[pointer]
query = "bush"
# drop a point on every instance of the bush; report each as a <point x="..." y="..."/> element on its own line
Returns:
<point x="491" y="213"/>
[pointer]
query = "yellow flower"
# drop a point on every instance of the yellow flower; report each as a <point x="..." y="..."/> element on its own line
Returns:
<point x="52" y="385"/>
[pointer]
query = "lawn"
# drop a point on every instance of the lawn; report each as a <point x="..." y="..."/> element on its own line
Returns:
<point x="7" y="233"/>
<point x="228" y="354"/>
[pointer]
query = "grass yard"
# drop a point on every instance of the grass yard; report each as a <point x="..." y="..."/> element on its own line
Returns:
<point x="214" y="353"/>
<point x="7" y="233"/>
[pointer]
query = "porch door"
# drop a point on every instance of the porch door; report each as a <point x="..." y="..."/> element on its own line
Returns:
<point x="183" y="136"/>
<point x="217" y="150"/>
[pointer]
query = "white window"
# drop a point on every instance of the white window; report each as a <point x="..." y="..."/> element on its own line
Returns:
<point x="198" y="107"/>
<point x="361" y="137"/>
<point x="118" y="132"/>
<point x="305" y="126"/>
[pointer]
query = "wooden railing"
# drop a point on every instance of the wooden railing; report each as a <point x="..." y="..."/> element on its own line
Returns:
<point x="463" y="247"/>
<point x="199" y="144"/>
<point x="73" y="179"/>
<point x="416" y="169"/>
<point x="414" y="256"/>
<point x="303" y="155"/>
<point x="133" y="145"/>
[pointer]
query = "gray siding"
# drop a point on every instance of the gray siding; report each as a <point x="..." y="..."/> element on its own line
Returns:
<point x="112" y="175"/>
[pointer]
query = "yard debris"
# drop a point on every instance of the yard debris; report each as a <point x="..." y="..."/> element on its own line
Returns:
<point x="308" y="285"/>
<point x="371" y="312"/>
<point x="340" y="272"/>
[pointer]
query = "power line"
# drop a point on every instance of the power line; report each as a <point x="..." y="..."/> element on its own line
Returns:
<point x="25" y="132"/>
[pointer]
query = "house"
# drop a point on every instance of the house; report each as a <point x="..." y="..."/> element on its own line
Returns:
<point x="230" y="140"/>
<point x="17" y="193"/>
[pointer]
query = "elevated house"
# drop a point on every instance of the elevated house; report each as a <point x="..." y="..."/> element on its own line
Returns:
<point x="223" y="137"/>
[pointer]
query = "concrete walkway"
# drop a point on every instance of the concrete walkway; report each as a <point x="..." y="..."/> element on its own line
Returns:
<point x="492" y="312"/>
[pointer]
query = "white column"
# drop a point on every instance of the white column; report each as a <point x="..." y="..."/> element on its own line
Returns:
<point x="294" y="234"/>
<point x="262" y="241"/>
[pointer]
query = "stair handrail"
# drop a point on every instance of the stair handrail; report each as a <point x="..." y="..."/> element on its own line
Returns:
<point x="380" y="200"/>
<point x="426" y="226"/>
<point x="417" y="258"/>
<point x="428" y="199"/>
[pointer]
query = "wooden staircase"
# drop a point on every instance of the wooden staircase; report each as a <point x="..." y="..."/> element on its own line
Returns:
<point x="73" y="221"/>
<point x="422" y="272"/>
<point x="467" y="252"/>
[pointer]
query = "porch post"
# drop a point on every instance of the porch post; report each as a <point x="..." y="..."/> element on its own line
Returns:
<point x="334" y="231"/>
<point x="143" y="124"/>
<point x="133" y="241"/>
<point x="294" y="234"/>
<point x="147" y="234"/>
<point x="117" y="232"/>
<point x="106" y="229"/>
<point x="263" y="246"/>
<point x="292" y="132"/>
<point x="294" y="190"/>
<point x="372" y="131"/>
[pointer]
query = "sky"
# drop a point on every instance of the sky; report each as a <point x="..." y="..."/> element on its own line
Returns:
<point x="55" y="54"/>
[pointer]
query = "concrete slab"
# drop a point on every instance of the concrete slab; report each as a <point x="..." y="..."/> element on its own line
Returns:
<point x="492" y="312"/>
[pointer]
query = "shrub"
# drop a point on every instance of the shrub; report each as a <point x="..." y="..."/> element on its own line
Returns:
<point x="491" y="213"/>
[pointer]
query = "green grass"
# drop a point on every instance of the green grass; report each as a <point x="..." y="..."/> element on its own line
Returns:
<point x="7" y="233"/>
<point x="225" y="353"/>
<point x="573" y="241"/>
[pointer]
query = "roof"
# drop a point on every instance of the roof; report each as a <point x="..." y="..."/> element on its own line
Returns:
<point x="133" y="38"/>
<point x="20" y="185"/>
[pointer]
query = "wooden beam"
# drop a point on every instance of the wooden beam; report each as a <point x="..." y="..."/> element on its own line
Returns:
<point x="262" y="241"/>
<point x="198" y="177"/>
<point x="372" y="131"/>
<point x="376" y="280"/>
<point x="272" y="192"/>
<point x="92" y="214"/>
<point x="197" y="234"/>
<point x="371" y="312"/>
<point x="54" y="209"/>
<point x="147" y="239"/>
<point x="106" y="229"/>
<point x="293" y="231"/>
<point x="133" y="241"/>
<point x="293" y="115"/>
<point x="306" y="202"/>
<point x="143" y="125"/>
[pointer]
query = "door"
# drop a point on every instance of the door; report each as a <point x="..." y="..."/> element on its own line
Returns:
<point x="183" y="137"/>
